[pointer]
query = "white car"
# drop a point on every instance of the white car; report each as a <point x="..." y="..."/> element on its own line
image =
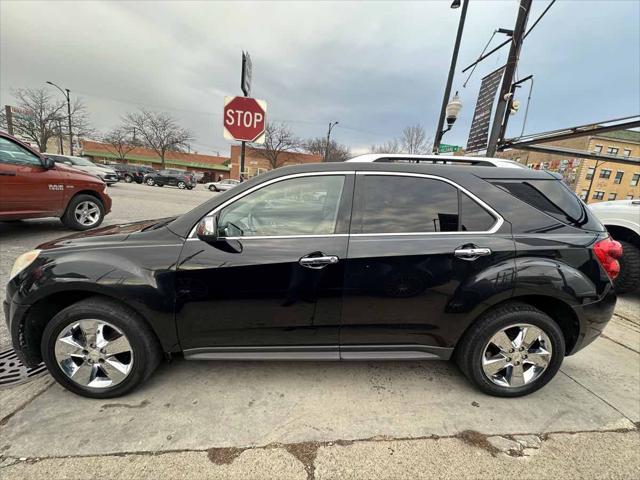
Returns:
<point x="445" y="159"/>
<point x="222" y="185"/>
<point x="622" y="220"/>
<point x="106" y="174"/>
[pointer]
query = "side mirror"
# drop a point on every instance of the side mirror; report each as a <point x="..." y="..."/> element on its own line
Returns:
<point x="207" y="229"/>
<point x="48" y="163"/>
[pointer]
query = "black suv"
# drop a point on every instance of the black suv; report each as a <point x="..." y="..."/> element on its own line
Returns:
<point x="131" y="173"/>
<point x="503" y="269"/>
<point x="177" y="178"/>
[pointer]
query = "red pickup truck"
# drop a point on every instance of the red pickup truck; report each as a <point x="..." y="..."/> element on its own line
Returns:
<point x="34" y="186"/>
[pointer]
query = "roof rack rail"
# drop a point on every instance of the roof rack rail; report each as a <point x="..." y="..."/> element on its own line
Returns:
<point x="437" y="160"/>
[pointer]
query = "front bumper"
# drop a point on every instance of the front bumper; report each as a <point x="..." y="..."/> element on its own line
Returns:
<point x="593" y="318"/>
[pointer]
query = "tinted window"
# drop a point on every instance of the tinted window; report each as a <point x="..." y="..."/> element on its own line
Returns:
<point x="550" y="196"/>
<point x="395" y="204"/>
<point x="474" y="218"/>
<point x="298" y="206"/>
<point x="11" y="152"/>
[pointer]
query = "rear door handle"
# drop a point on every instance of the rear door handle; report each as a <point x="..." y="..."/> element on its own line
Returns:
<point x="471" y="253"/>
<point x="318" y="262"/>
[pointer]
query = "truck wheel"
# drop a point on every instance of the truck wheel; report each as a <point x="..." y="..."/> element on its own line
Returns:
<point x="629" y="277"/>
<point x="99" y="348"/>
<point x="128" y="178"/>
<point x="83" y="212"/>
<point x="150" y="182"/>
<point x="511" y="351"/>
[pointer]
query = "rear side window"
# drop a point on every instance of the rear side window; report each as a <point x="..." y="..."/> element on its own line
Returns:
<point x="553" y="198"/>
<point x="398" y="204"/>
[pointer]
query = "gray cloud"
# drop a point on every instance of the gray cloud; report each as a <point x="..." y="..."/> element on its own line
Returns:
<point x="374" y="66"/>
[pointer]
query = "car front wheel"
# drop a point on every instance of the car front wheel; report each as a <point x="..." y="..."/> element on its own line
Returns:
<point x="511" y="351"/>
<point x="128" y="178"/>
<point x="83" y="212"/>
<point x="98" y="348"/>
<point x="182" y="185"/>
<point x="150" y="182"/>
<point x="213" y="188"/>
<point x="629" y="277"/>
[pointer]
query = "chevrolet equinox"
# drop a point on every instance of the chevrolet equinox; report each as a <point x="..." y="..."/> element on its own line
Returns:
<point x="503" y="270"/>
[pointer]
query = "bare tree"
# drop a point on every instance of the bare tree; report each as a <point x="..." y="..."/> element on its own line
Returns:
<point x="391" y="146"/>
<point x="45" y="116"/>
<point x="158" y="131"/>
<point x="414" y="140"/>
<point x="335" y="153"/>
<point x="119" y="141"/>
<point x="278" y="140"/>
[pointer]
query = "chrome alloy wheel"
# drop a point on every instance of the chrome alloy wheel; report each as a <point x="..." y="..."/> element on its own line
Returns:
<point x="94" y="353"/>
<point x="517" y="355"/>
<point x="87" y="213"/>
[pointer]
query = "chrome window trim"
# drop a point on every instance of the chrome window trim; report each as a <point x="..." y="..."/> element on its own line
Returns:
<point x="496" y="226"/>
<point x="264" y="184"/>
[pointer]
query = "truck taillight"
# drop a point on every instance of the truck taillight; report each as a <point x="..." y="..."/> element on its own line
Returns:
<point x="608" y="252"/>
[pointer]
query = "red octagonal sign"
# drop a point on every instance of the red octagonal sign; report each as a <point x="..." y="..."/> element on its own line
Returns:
<point x="245" y="119"/>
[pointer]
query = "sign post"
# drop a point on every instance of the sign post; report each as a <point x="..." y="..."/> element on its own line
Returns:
<point x="245" y="85"/>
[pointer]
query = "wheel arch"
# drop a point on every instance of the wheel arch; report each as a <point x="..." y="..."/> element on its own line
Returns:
<point x="621" y="232"/>
<point x="32" y="324"/>
<point x="558" y="310"/>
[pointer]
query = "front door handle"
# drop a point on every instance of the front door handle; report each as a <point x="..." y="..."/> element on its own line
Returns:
<point x="318" y="262"/>
<point x="471" y="253"/>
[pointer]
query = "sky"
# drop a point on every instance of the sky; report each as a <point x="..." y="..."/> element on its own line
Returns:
<point x="375" y="67"/>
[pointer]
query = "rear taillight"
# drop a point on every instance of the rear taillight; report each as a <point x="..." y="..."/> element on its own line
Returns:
<point x="608" y="252"/>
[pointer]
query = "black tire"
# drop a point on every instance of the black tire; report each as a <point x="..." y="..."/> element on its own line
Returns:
<point x="159" y="184"/>
<point x="470" y="350"/>
<point x="629" y="277"/>
<point x="150" y="181"/>
<point x="147" y="352"/>
<point x="128" y="178"/>
<point x="69" y="218"/>
<point x="182" y="185"/>
<point x="212" y="188"/>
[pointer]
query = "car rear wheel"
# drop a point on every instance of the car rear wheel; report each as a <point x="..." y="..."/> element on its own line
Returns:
<point x="150" y="182"/>
<point x="128" y="178"/>
<point x="83" y="212"/>
<point x="213" y="188"/>
<point x="182" y="185"/>
<point x="511" y="351"/>
<point x="629" y="277"/>
<point x="98" y="348"/>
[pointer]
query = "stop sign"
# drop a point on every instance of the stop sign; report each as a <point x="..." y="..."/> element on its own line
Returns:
<point x="244" y="119"/>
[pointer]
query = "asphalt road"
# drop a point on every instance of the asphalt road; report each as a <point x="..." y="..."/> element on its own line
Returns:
<point x="313" y="420"/>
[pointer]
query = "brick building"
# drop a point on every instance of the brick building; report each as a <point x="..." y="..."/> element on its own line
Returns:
<point x="211" y="167"/>
<point x="254" y="164"/>
<point x="612" y="180"/>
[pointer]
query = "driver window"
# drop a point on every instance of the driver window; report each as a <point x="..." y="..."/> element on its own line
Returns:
<point x="13" y="153"/>
<point x="298" y="206"/>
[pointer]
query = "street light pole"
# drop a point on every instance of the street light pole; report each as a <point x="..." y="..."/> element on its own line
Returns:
<point x="452" y="68"/>
<point x="326" y="147"/>
<point x="67" y="94"/>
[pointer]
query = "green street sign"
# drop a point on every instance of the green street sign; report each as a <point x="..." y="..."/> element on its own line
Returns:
<point x="444" y="148"/>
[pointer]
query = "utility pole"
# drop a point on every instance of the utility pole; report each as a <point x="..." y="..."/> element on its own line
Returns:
<point x="9" y="115"/>
<point x="60" y="138"/>
<point x="501" y="117"/>
<point x="67" y="95"/>
<point x="452" y="68"/>
<point x="326" y="147"/>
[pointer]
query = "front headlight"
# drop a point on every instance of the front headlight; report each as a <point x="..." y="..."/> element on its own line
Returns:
<point x="22" y="262"/>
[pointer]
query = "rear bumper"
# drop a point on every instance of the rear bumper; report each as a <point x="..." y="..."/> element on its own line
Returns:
<point x="593" y="318"/>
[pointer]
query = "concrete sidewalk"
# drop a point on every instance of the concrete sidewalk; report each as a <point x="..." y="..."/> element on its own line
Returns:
<point x="335" y="420"/>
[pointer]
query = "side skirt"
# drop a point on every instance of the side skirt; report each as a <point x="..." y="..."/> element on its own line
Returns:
<point x="323" y="352"/>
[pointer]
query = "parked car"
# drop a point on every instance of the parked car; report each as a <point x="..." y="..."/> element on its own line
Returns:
<point x="504" y="270"/>
<point x="131" y="173"/>
<point x="222" y="185"/>
<point x="34" y="186"/>
<point x="622" y="219"/>
<point x="107" y="174"/>
<point x="178" y="178"/>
